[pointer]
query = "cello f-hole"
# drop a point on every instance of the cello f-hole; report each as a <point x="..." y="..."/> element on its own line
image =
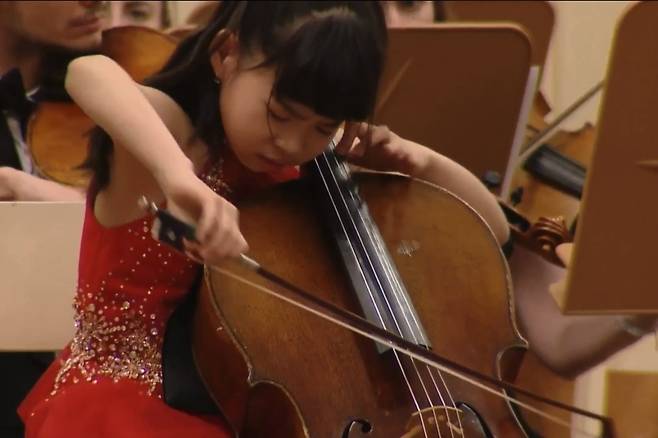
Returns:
<point x="363" y="424"/>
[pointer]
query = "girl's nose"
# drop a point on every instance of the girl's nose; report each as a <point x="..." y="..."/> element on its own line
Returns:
<point x="288" y="146"/>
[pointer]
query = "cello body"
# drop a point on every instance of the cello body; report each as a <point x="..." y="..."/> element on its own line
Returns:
<point x="278" y="371"/>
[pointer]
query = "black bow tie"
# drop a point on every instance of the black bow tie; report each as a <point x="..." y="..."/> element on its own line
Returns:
<point x="12" y="96"/>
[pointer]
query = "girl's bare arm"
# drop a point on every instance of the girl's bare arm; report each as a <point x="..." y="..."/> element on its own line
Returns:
<point x="145" y="125"/>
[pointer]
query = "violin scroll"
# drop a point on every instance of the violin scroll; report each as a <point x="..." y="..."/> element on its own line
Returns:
<point x="549" y="232"/>
<point x="541" y="237"/>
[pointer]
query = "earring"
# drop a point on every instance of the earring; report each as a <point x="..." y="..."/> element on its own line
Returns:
<point x="216" y="80"/>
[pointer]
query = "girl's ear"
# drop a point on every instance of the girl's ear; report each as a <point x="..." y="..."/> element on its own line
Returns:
<point x="224" y="53"/>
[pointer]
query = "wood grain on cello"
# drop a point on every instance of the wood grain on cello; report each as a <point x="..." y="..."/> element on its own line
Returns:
<point x="300" y="376"/>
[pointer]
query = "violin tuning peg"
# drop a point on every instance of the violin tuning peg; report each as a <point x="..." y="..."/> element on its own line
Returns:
<point x="516" y="196"/>
<point x="492" y="179"/>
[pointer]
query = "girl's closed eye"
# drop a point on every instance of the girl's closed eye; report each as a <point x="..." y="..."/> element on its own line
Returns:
<point x="282" y="116"/>
<point x="327" y="132"/>
<point x="277" y="115"/>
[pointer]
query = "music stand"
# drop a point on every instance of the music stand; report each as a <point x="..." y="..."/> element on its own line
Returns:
<point x="458" y="89"/>
<point x="39" y="247"/>
<point x="536" y="17"/>
<point x="613" y="266"/>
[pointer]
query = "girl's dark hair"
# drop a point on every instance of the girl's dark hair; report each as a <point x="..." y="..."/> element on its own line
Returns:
<point x="327" y="55"/>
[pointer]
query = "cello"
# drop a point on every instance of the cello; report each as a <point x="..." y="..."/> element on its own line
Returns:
<point x="431" y="273"/>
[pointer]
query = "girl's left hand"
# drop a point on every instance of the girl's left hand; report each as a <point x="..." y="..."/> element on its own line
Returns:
<point x="377" y="148"/>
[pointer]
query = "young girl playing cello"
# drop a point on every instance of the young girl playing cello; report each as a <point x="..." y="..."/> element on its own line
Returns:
<point x="261" y="90"/>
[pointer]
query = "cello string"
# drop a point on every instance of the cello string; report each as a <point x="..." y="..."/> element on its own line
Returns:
<point x="254" y="266"/>
<point x="370" y="293"/>
<point x="396" y="287"/>
<point x="438" y="428"/>
<point x="398" y="295"/>
<point x="355" y="229"/>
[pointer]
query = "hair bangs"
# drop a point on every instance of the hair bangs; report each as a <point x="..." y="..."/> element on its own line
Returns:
<point x="332" y="65"/>
<point x="327" y="55"/>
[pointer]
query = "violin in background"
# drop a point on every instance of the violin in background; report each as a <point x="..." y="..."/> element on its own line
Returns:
<point x="58" y="129"/>
<point x="543" y="205"/>
<point x="554" y="164"/>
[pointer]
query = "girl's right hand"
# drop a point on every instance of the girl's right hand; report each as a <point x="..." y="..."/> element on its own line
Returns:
<point x="217" y="229"/>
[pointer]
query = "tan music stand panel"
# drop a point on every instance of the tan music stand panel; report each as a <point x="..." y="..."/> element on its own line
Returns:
<point x="537" y="17"/>
<point x="457" y="89"/>
<point x="39" y="247"/>
<point x="614" y="263"/>
<point x="631" y="402"/>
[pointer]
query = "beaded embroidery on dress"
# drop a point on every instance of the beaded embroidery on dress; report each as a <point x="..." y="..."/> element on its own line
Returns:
<point x="119" y="334"/>
<point x="107" y="383"/>
<point x="128" y="287"/>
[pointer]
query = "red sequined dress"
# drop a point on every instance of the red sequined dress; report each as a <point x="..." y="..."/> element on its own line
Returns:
<point x="108" y="381"/>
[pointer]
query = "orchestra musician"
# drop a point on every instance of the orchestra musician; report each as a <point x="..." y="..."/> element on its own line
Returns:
<point x="37" y="39"/>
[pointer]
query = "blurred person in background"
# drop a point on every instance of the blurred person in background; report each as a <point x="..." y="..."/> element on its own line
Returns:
<point x="153" y="14"/>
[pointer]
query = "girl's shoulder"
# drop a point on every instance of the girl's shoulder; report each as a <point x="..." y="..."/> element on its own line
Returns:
<point x="179" y="124"/>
